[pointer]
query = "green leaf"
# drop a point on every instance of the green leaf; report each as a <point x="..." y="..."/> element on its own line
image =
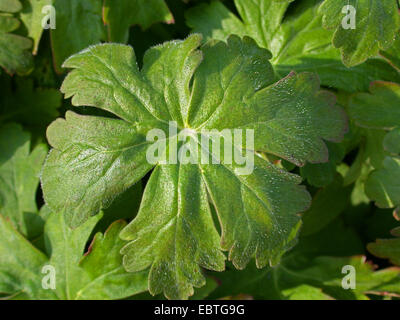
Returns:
<point x="20" y="265"/>
<point x="33" y="107"/>
<point x="178" y="241"/>
<point x="14" y="49"/>
<point x="125" y="207"/>
<point x="94" y="170"/>
<point x="371" y="154"/>
<point x="337" y="239"/>
<point x="383" y="184"/>
<point x="19" y="178"/>
<point x="32" y="17"/>
<point x="103" y="263"/>
<point x="297" y="42"/>
<point x="380" y="108"/>
<point x="96" y="275"/>
<point x="391" y="142"/>
<point x="305" y="292"/>
<point x="379" y="223"/>
<point x="79" y="24"/>
<point x="94" y="158"/>
<point x="295" y="277"/>
<point x="376" y="24"/>
<point x="10" y="5"/>
<point x="387" y="248"/>
<point x="119" y="15"/>
<point x="323" y="174"/>
<point x="327" y="204"/>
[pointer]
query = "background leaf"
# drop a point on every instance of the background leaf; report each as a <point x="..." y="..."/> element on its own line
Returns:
<point x="376" y="25"/>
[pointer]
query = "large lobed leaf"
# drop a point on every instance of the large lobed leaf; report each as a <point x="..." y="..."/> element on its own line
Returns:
<point x="222" y="85"/>
<point x="19" y="178"/>
<point x="387" y="248"/>
<point x="79" y="24"/>
<point x="299" y="278"/>
<point x="32" y="107"/>
<point x="32" y="16"/>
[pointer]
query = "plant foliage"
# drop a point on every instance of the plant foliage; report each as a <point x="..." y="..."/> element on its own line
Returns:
<point x="85" y="215"/>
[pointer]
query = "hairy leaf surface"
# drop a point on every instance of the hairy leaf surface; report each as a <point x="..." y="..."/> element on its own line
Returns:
<point x="96" y="158"/>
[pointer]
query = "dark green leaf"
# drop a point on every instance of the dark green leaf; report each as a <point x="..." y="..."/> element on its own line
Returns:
<point x="119" y="15"/>
<point x="19" y="177"/>
<point x="376" y="24"/>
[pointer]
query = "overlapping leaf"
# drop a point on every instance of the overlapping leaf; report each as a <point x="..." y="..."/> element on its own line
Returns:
<point x="297" y="41"/>
<point x="392" y="54"/>
<point x="327" y="204"/>
<point x="318" y="279"/>
<point x="32" y="16"/>
<point x="376" y="24"/>
<point x="25" y="272"/>
<point x="94" y="159"/>
<point x="387" y="248"/>
<point x="381" y="109"/>
<point x="10" y="5"/>
<point x="323" y="174"/>
<point x="119" y="15"/>
<point x="15" y="56"/>
<point x="19" y="178"/>
<point x="79" y="24"/>
<point x="31" y="107"/>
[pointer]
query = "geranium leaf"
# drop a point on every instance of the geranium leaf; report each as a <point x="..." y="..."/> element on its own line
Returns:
<point x="383" y="184"/>
<point x="19" y="177"/>
<point x="119" y="15"/>
<point x="323" y="174"/>
<point x="74" y="33"/>
<point x="376" y="24"/>
<point x="20" y="264"/>
<point x="387" y="248"/>
<point x="14" y="49"/>
<point x="33" y="107"/>
<point x="327" y="204"/>
<point x="392" y="54"/>
<point x="380" y="108"/>
<point x="90" y="141"/>
<point x="391" y="142"/>
<point x="180" y="239"/>
<point x="297" y="42"/>
<point x="96" y="158"/>
<point x="96" y="275"/>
